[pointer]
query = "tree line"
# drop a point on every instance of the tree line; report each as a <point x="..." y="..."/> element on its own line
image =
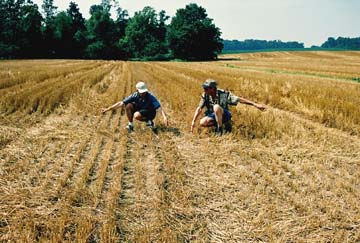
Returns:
<point x="342" y="43"/>
<point x="250" y="44"/>
<point x="26" y="33"/>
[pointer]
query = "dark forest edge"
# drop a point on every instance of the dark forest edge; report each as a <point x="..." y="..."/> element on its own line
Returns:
<point x="190" y="35"/>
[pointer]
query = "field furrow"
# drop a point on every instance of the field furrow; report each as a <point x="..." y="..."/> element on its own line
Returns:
<point x="106" y="187"/>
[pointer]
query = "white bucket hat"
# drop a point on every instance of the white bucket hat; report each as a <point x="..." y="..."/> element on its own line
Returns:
<point x="141" y="87"/>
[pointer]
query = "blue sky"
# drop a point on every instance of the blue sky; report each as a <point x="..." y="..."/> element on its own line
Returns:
<point x="308" y="21"/>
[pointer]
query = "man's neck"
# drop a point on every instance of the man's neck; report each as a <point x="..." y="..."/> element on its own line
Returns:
<point x="143" y="96"/>
<point x="213" y="94"/>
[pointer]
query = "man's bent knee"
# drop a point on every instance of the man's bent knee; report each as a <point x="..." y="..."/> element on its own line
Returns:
<point x="138" y="116"/>
<point x="206" y="122"/>
<point x="218" y="108"/>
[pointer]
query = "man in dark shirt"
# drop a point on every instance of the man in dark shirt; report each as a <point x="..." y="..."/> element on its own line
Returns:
<point x="141" y="105"/>
<point x="216" y="102"/>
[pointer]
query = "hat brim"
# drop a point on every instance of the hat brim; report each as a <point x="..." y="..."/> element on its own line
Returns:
<point x="207" y="86"/>
<point x="142" y="90"/>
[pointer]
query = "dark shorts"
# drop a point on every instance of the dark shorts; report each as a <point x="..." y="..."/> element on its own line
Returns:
<point x="226" y="116"/>
<point x="149" y="114"/>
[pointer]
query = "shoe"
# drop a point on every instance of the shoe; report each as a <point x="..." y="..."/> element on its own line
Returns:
<point x="130" y="127"/>
<point x="150" y="124"/>
<point x="228" y="127"/>
<point x="218" y="131"/>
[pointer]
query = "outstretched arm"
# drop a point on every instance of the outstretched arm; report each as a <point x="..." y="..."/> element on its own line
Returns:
<point x="196" y="115"/>
<point x="114" y="106"/>
<point x="249" y="102"/>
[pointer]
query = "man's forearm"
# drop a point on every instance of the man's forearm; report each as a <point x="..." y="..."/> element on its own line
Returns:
<point x="247" y="102"/>
<point x="196" y="115"/>
<point x="116" y="105"/>
<point x="162" y="112"/>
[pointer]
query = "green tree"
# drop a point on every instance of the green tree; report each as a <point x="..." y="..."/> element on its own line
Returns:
<point x="330" y="43"/>
<point x="19" y="28"/>
<point x="63" y="36"/>
<point x="343" y="43"/>
<point x="30" y="25"/>
<point x="250" y="44"/>
<point x="63" y="32"/>
<point x="9" y="16"/>
<point x="77" y="31"/>
<point x="193" y="36"/>
<point x="145" y="34"/>
<point x="48" y="29"/>
<point x="77" y="20"/>
<point x="49" y="9"/>
<point x="102" y="34"/>
<point x="121" y="20"/>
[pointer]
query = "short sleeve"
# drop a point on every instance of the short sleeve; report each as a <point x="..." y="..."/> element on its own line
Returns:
<point x="155" y="102"/>
<point x="202" y="101"/>
<point x="129" y="99"/>
<point x="233" y="99"/>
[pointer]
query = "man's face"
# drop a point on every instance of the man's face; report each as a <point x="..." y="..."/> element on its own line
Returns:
<point x="209" y="90"/>
<point x="142" y="95"/>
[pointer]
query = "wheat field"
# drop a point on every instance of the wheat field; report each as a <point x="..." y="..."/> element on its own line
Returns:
<point x="289" y="174"/>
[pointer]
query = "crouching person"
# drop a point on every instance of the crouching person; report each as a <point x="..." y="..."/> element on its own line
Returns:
<point x="141" y="105"/>
<point x="217" y="103"/>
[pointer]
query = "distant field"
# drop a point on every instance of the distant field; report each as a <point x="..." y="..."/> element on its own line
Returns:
<point x="289" y="174"/>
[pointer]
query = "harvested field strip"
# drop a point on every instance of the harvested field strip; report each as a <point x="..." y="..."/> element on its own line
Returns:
<point x="49" y="95"/>
<point x="109" y="188"/>
<point x="328" y="75"/>
<point x="250" y="123"/>
<point x="238" y="213"/>
<point x="346" y="68"/>
<point x="153" y="203"/>
<point x="106" y="226"/>
<point x="139" y="196"/>
<point x="106" y="222"/>
<point x="345" y="58"/>
<point x="298" y="204"/>
<point x="48" y="172"/>
<point x="62" y="172"/>
<point x="185" y="223"/>
<point x="58" y="172"/>
<point x="283" y="175"/>
<point x="33" y="75"/>
<point x="139" y="215"/>
<point x="333" y="107"/>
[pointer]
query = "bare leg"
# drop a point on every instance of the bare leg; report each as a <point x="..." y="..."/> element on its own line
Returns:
<point x="218" y="115"/>
<point x="139" y="117"/>
<point x="206" y="122"/>
<point x="130" y="111"/>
